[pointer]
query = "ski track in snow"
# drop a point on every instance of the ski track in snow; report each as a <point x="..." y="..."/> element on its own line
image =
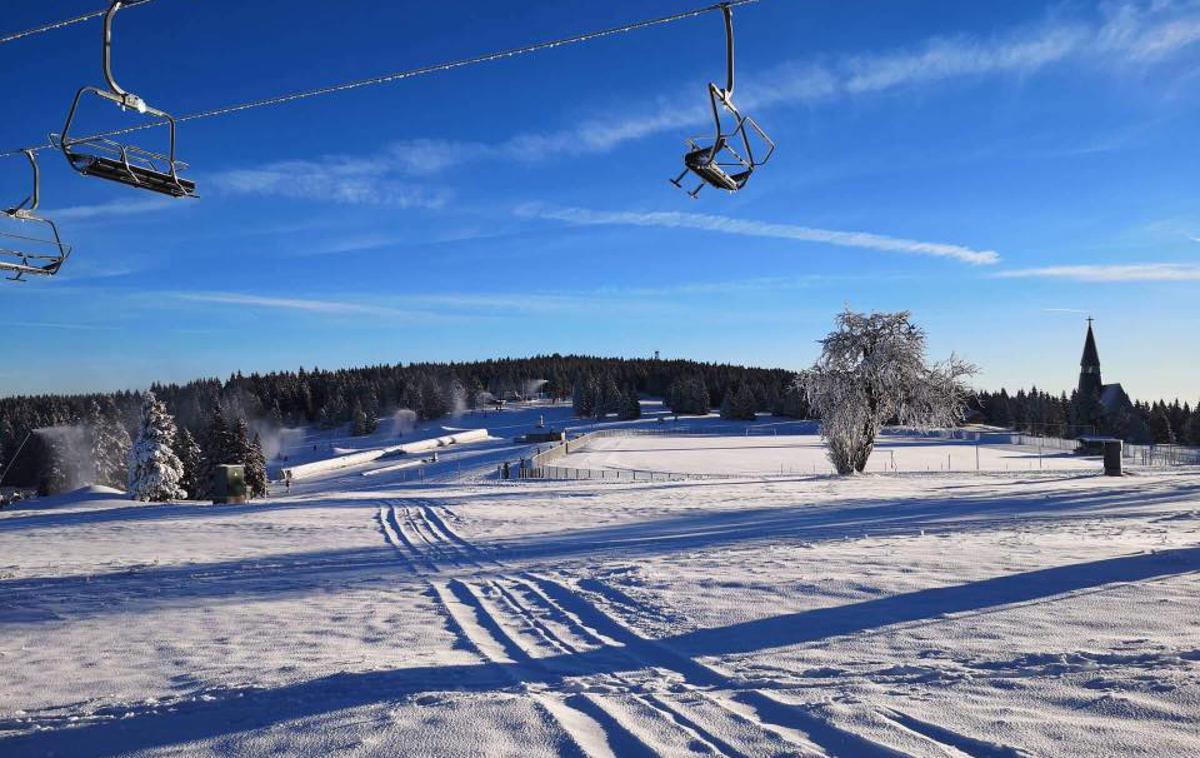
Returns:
<point x="662" y="703"/>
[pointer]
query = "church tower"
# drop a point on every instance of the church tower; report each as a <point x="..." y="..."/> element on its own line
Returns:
<point x="1089" y="367"/>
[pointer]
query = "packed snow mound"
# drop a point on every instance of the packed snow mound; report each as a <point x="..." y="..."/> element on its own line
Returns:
<point x="82" y="496"/>
<point x="95" y="489"/>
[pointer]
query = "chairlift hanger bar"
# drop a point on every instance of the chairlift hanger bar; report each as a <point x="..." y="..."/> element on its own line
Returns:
<point x="65" y="22"/>
<point x="411" y="73"/>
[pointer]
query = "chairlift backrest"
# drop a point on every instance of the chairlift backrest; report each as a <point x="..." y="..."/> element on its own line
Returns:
<point x="108" y="159"/>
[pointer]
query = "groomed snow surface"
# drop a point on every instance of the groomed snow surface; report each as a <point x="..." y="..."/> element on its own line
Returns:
<point x="761" y="455"/>
<point x="1001" y="613"/>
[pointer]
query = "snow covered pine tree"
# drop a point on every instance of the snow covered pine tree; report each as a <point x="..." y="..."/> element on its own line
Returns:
<point x="256" y="468"/>
<point x="109" y="442"/>
<point x="154" y="470"/>
<point x="193" y="464"/>
<point x="739" y="404"/>
<point x="872" y="370"/>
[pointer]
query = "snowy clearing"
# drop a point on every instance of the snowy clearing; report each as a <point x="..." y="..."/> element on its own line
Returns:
<point x="942" y="614"/>
<point x="761" y="455"/>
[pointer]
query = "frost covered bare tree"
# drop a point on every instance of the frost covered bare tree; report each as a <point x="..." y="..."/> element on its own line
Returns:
<point x="155" y="471"/>
<point x="873" y="370"/>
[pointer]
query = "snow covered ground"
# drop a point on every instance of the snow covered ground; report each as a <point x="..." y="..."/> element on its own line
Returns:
<point x="760" y="455"/>
<point x="941" y="614"/>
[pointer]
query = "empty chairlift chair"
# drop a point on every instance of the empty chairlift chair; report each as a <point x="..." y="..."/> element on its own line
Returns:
<point x="729" y="160"/>
<point x="106" y="158"/>
<point x="29" y="243"/>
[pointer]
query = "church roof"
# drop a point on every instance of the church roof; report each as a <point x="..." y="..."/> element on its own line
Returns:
<point x="1091" y="357"/>
<point x="1113" y="396"/>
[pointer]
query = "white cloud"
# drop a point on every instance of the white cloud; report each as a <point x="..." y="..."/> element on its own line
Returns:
<point x="114" y="208"/>
<point x="940" y="59"/>
<point x="727" y="225"/>
<point x="62" y="325"/>
<point x="326" y="307"/>
<point x="1136" y="272"/>
<point x="375" y="181"/>
<point x="1148" y="33"/>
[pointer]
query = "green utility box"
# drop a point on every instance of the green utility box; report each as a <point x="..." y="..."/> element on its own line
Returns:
<point x="1112" y="457"/>
<point x="229" y="484"/>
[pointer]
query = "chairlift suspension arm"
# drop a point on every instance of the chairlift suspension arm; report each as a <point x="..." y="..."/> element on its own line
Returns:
<point x="124" y="97"/>
<point x="30" y="203"/>
<point x="727" y="12"/>
<point x="108" y="22"/>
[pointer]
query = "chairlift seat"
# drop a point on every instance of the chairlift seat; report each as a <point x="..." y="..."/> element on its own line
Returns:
<point x="703" y="163"/>
<point x="22" y="254"/>
<point x="125" y="164"/>
<point x="131" y="174"/>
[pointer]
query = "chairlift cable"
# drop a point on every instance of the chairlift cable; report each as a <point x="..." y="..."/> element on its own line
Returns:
<point x="412" y="73"/>
<point x="54" y="25"/>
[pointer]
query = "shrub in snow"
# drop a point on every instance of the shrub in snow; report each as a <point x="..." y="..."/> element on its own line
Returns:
<point x="154" y="470"/>
<point x="873" y="370"/>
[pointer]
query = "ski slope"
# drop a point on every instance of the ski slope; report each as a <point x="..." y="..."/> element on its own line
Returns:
<point x="935" y="614"/>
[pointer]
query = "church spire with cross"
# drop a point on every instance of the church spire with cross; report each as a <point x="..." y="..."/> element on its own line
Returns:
<point x="1089" y="366"/>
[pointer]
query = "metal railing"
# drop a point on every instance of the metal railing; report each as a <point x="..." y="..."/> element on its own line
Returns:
<point x="1162" y="455"/>
<point x="1141" y="455"/>
<point x="566" y="473"/>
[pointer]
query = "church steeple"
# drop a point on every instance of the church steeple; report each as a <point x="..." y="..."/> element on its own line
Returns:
<point x="1089" y="365"/>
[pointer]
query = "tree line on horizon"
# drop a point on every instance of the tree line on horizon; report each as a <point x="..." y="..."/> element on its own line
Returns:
<point x="354" y="398"/>
<point x="1039" y="412"/>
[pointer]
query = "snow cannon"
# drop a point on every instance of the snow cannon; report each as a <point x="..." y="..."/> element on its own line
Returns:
<point x="229" y="484"/>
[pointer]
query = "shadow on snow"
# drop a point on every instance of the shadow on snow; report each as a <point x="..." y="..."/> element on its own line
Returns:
<point x="233" y="711"/>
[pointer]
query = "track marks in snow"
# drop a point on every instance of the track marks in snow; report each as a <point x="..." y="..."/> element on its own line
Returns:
<point x="391" y="532"/>
<point x="556" y="632"/>
<point x="832" y="740"/>
<point x="615" y="692"/>
<point x="428" y="545"/>
<point x="971" y="746"/>
<point x="441" y="527"/>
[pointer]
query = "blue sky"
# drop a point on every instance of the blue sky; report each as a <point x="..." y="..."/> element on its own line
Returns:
<point x="1001" y="169"/>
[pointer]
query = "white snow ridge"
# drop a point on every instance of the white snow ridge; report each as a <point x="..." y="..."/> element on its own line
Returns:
<point x="952" y="601"/>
